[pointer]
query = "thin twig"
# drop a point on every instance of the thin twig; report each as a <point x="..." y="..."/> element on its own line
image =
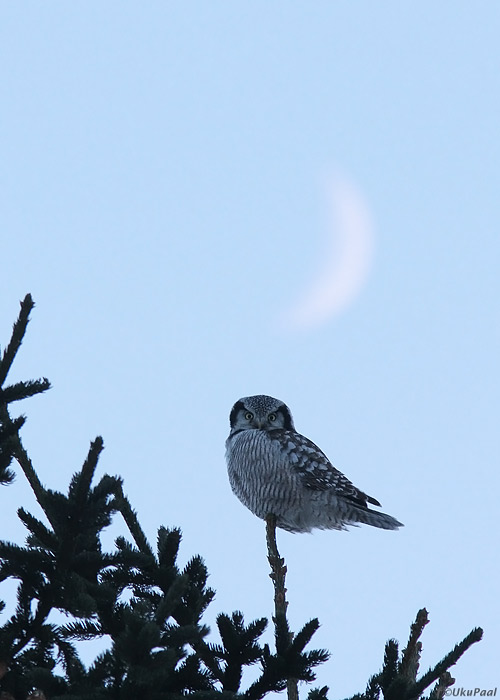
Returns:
<point x="277" y="575"/>
<point x="130" y="517"/>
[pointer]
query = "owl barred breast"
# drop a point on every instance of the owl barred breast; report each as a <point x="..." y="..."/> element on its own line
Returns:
<point x="274" y="469"/>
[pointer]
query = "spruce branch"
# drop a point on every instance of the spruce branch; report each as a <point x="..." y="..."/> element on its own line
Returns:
<point x="23" y="390"/>
<point x="7" y="433"/>
<point x="445" y="681"/>
<point x="390" y="668"/>
<point x="18" y="331"/>
<point x="318" y="693"/>
<point x="410" y="658"/>
<point x="278" y="577"/>
<point x="239" y="648"/>
<point x="398" y="678"/>
<point x="24" y="461"/>
<point x="80" y="486"/>
<point x="10" y="445"/>
<point x="291" y="661"/>
<point x="122" y="504"/>
<point x="449" y="660"/>
<point x="372" y="689"/>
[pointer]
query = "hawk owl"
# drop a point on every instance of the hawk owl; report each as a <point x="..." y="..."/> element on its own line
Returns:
<point x="274" y="469"/>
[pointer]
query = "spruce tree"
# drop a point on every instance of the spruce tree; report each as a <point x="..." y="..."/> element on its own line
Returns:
<point x="138" y="598"/>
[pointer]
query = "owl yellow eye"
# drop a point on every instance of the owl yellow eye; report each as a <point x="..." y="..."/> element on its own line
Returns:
<point x="248" y="415"/>
<point x="272" y="417"/>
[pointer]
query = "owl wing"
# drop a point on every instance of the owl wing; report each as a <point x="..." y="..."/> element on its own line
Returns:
<point x="315" y="469"/>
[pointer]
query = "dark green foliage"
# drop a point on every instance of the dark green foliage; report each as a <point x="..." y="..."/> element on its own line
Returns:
<point x="150" y="609"/>
<point x="7" y="446"/>
<point x="398" y="678"/>
<point x="137" y="598"/>
<point x="318" y="693"/>
<point x="292" y="662"/>
<point x="9" y="428"/>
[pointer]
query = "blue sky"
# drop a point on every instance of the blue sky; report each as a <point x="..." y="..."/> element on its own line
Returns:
<point x="166" y="198"/>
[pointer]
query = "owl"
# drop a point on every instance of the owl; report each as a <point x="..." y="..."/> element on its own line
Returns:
<point x="274" y="469"/>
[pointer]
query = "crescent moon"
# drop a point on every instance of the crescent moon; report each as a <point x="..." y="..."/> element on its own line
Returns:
<point x="347" y="259"/>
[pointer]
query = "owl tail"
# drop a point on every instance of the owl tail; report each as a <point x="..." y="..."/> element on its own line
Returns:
<point x="376" y="519"/>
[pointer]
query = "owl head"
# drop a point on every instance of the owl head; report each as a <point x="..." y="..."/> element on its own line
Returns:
<point x="260" y="413"/>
